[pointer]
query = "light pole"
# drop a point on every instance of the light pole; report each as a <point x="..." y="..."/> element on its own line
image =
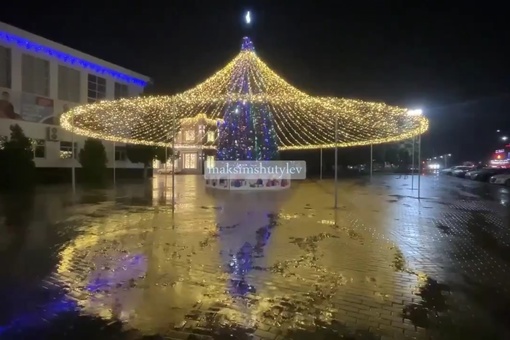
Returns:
<point x="173" y="162"/>
<point x="73" y="169"/>
<point x="371" y="160"/>
<point x="416" y="113"/>
<point x="166" y="153"/>
<point x="503" y="138"/>
<point x="445" y="157"/>
<point x="166" y="161"/>
<point x="113" y="162"/>
<point x="336" y="162"/>
<point x="412" y="166"/>
<point x="321" y="166"/>
<point x="419" y="166"/>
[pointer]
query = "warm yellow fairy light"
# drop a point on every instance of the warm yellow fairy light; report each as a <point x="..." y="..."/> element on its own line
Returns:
<point x="201" y="118"/>
<point x="300" y="121"/>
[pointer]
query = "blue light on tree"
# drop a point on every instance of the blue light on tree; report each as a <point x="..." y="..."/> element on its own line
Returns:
<point x="247" y="131"/>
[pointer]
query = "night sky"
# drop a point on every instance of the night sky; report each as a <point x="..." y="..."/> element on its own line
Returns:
<point x="451" y="60"/>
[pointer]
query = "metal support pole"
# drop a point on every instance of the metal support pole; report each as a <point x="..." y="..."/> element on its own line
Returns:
<point x="371" y="160"/>
<point x="73" y="159"/>
<point x="445" y="161"/>
<point x="419" y="166"/>
<point x="412" y="166"/>
<point x="166" y="156"/>
<point x="173" y="162"/>
<point x="165" y="167"/>
<point x="321" y="165"/>
<point x="336" y="162"/>
<point x="114" y="164"/>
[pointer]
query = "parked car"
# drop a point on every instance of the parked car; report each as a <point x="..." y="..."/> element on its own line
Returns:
<point x="501" y="179"/>
<point x="460" y="171"/>
<point x="472" y="174"/>
<point x="447" y="171"/>
<point x="485" y="174"/>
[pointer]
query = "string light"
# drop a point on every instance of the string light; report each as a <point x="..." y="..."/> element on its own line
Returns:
<point x="66" y="58"/>
<point x="201" y="118"/>
<point x="300" y="121"/>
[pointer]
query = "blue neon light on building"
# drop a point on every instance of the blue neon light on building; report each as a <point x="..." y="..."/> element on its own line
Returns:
<point x="68" y="59"/>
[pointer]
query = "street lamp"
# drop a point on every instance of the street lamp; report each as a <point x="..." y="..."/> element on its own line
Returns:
<point x="504" y="138"/>
<point x="415" y="113"/>
<point x="446" y="159"/>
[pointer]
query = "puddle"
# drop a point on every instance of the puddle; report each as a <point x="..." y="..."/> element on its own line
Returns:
<point x="444" y="229"/>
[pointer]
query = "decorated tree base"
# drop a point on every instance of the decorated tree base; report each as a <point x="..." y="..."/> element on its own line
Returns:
<point x="248" y="184"/>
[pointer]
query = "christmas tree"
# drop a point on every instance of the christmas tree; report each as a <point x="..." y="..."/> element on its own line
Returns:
<point x="266" y="147"/>
<point x="247" y="131"/>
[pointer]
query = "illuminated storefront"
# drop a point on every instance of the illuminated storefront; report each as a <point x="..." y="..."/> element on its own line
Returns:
<point x="501" y="157"/>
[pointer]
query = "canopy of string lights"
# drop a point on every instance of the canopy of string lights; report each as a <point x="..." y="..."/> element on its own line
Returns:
<point x="300" y="121"/>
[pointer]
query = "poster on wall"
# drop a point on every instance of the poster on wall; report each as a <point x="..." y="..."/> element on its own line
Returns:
<point x="36" y="109"/>
<point x="7" y="109"/>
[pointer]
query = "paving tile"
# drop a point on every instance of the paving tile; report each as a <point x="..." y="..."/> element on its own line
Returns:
<point x="268" y="265"/>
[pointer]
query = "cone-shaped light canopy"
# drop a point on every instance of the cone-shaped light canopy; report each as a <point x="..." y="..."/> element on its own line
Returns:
<point x="301" y="121"/>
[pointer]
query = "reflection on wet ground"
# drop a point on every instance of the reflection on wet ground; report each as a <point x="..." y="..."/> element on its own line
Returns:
<point x="119" y="264"/>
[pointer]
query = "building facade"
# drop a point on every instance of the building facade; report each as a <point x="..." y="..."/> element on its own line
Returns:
<point x="195" y="146"/>
<point x="40" y="79"/>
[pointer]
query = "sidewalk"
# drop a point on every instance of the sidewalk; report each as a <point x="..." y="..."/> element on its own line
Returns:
<point x="452" y="240"/>
<point x="283" y="265"/>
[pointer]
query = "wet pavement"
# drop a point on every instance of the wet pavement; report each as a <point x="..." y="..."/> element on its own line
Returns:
<point x="117" y="264"/>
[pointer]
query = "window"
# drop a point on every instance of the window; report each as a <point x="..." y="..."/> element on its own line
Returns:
<point x="39" y="148"/>
<point x="3" y="140"/>
<point x="66" y="150"/>
<point x="189" y="136"/>
<point x="96" y="88"/>
<point x="68" y="84"/>
<point x="120" y="153"/>
<point x="121" y="91"/>
<point x="35" y="75"/>
<point x="190" y="161"/>
<point x="201" y="130"/>
<point x="209" y="162"/>
<point x="5" y="67"/>
<point x="210" y="136"/>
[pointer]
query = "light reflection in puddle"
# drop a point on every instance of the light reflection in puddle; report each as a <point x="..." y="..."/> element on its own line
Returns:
<point x="246" y="259"/>
<point x="105" y="267"/>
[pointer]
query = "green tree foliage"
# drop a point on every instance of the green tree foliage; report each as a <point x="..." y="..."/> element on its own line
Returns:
<point x="17" y="167"/>
<point x="146" y="154"/>
<point x="93" y="161"/>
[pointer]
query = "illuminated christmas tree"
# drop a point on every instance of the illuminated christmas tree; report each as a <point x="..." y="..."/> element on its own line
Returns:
<point x="247" y="131"/>
<point x="261" y="114"/>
